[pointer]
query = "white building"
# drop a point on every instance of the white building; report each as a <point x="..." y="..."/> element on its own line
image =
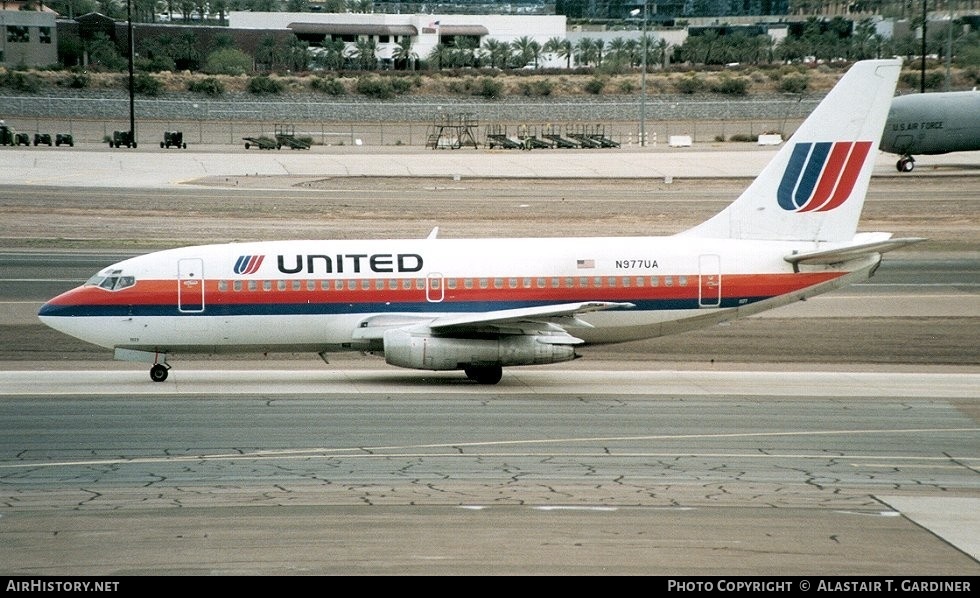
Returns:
<point x="388" y="30"/>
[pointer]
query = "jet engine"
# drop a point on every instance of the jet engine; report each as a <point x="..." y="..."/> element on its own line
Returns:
<point x="422" y="351"/>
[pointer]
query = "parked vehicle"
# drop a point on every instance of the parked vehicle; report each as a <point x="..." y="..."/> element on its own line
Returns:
<point x="44" y="138"/>
<point x="122" y="138"/>
<point x="173" y="139"/>
<point x="64" y="139"/>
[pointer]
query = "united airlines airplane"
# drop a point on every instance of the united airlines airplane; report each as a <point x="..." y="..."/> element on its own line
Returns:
<point x="478" y="305"/>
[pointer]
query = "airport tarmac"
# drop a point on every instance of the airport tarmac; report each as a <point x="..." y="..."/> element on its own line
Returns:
<point x="149" y="167"/>
<point x="620" y="465"/>
<point x="553" y="471"/>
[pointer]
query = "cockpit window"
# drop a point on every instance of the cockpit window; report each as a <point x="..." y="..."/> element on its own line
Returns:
<point x="114" y="281"/>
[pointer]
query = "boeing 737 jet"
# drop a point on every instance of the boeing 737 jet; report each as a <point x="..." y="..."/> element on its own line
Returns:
<point x="479" y="305"/>
<point x="930" y="124"/>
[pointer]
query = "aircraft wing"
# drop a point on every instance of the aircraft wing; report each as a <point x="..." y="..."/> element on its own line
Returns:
<point x="547" y="319"/>
<point x="843" y="254"/>
<point x="563" y="313"/>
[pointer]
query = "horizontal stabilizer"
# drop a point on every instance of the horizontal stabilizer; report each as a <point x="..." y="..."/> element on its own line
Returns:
<point x="843" y="254"/>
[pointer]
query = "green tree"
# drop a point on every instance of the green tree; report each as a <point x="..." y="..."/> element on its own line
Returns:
<point x="440" y="55"/>
<point x="330" y="55"/>
<point x="103" y="54"/>
<point x="618" y="53"/>
<point x="464" y="50"/>
<point x="220" y="7"/>
<point x="228" y="61"/>
<point x="585" y="51"/>
<point x="560" y="47"/>
<point x="365" y="54"/>
<point x="269" y="54"/>
<point x="185" y="51"/>
<point x="404" y="55"/>
<point x="498" y="51"/>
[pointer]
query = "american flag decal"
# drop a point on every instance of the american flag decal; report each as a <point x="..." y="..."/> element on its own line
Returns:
<point x="585" y="263"/>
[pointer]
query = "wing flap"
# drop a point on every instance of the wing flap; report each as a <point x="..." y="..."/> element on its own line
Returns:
<point x="560" y="314"/>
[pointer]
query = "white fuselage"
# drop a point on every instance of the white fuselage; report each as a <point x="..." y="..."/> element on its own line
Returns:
<point x="317" y="295"/>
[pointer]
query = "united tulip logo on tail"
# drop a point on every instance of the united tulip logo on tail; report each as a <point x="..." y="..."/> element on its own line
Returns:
<point x="821" y="176"/>
<point x="248" y="264"/>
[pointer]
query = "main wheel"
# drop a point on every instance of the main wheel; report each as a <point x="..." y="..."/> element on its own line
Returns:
<point x="158" y="373"/>
<point x="905" y="164"/>
<point x="489" y="374"/>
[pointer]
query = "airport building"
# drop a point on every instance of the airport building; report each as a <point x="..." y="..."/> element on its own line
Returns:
<point x="28" y="39"/>
<point x="386" y="31"/>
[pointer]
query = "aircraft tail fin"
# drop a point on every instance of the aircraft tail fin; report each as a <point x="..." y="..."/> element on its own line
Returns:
<point x="814" y="187"/>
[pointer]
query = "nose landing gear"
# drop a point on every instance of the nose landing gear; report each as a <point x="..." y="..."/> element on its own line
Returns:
<point x="905" y="164"/>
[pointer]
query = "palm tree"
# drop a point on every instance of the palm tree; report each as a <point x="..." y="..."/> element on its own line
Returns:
<point x="364" y="52"/>
<point x="220" y="7"/>
<point x="268" y="53"/>
<point x="585" y="51"/>
<point x="464" y="50"/>
<point x="330" y="55"/>
<point x="298" y="54"/>
<point x="498" y="51"/>
<point x="536" y="52"/>
<point x="523" y="47"/>
<point x="440" y="54"/>
<point x="560" y="47"/>
<point x="617" y="51"/>
<point x="404" y="54"/>
<point x="186" y="8"/>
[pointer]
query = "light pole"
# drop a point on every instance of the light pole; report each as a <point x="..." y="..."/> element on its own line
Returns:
<point x="925" y="17"/>
<point x="643" y="82"/>
<point x="643" y="76"/>
<point x="132" y="102"/>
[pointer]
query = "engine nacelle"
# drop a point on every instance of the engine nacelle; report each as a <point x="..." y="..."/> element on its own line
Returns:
<point x="425" y="352"/>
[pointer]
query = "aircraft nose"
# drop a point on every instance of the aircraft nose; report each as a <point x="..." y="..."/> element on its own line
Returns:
<point x="48" y="309"/>
<point x="58" y="306"/>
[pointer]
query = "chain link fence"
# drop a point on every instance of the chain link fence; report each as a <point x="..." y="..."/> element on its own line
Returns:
<point x="404" y="123"/>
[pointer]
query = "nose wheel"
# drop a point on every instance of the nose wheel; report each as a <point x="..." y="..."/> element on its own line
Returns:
<point x="906" y="164"/>
<point x="158" y="373"/>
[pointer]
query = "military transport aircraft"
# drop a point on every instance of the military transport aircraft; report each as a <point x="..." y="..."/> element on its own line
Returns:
<point x="478" y="305"/>
<point x="932" y="123"/>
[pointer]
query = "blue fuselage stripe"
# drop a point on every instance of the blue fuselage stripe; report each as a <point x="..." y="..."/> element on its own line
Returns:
<point x="327" y="309"/>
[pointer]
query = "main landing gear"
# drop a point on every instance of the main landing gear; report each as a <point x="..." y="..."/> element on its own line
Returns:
<point x="905" y="164"/>
<point x="486" y="374"/>
<point x="159" y="371"/>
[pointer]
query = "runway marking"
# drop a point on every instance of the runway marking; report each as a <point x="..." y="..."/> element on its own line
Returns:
<point x="373" y="452"/>
<point x="572" y="508"/>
